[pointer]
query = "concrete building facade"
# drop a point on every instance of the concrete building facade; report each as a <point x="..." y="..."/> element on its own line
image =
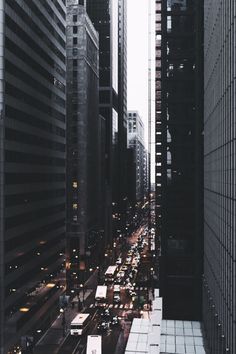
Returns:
<point x="83" y="135"/>
<point x="135" y="141"/>
<point x="32" y="166"/>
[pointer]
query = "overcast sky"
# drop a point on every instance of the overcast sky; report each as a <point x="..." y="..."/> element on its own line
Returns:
<point x="138" y="57"/>
<point x="137" y="45"/>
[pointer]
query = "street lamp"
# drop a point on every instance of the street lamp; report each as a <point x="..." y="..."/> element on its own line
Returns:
<point x="82" y="288"/>
<point x="62" y="311"/>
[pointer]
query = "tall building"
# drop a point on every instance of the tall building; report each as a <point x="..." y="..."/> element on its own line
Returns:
<point x="135" y="140"/>
<point x="104" y="15"/>
<point x="179" y="121"/>
<point x="32" y="166"/>
<point x="120" y="190"/>
<point x="219" y="283"/>
<point x="83" y="160"/>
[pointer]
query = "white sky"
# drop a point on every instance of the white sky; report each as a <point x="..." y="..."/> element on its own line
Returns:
<point x="137" y="44"/>
<point x="137" y="65"/>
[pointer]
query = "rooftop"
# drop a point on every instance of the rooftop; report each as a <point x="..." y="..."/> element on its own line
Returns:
<point x="152" y="334"/>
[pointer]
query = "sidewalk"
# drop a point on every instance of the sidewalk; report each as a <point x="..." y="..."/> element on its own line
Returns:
<point x="54" y="337"/>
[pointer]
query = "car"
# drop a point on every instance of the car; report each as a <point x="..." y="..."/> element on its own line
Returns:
<point x="118" y="280"/>
<point x="129" y="287"/>
<point x="121" y="274"/>
<point x="115" y="321"/>
<point x="124" y="268"/>
<point x="103" y="326"/>
<point x="119" y="261"/>
<point x="116" y="299"/>
<point x="133" y="293"/>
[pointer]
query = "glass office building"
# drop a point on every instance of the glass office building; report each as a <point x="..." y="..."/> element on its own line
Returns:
<point x="32" y="165"/>
<point x="219" y="283"/>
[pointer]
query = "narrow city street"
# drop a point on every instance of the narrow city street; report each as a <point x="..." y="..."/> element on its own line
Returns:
<point x="113" y="318"/>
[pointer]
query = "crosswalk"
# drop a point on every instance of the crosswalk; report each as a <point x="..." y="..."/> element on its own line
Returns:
<point x="116" y="306"/>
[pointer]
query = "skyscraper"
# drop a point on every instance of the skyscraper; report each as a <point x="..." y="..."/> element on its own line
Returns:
<point x="83" y="178"/>
<point x="104" y="15"/>
<point x="219" y="283"/>
<point x="135" y="141"/>
<point x="178" y="155"/>
<point x="32" y="165"/>
<point x="120" y="196"/>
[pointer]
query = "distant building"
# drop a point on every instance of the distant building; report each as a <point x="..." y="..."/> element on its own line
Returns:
<point x="83" y="139"/>
<point x="179" y="149"/>
<point x="219" y="281"/>
<point x="135" y="139"/>
<point x="131" y="176"/>
<point x="32" y="166"/>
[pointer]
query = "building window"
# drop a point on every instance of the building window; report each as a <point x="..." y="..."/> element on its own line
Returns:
<point x="75" y="206"/>
<point x="74" y="18"/>
<point x="75" y="29"/>
<point x="75" y="184"/>
<point x="74" y="62"/>
<point x="75" y="40"/>
<point x="75" y="218"/>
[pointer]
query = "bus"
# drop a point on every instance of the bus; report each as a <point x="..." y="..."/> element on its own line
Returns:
<point x="101" y="294"/>
<point x="110" y="273"/>
<point x="80" y="324"/>
<point x="94" y="344"/>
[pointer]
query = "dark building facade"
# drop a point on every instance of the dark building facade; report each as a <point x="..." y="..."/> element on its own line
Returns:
<point x="83" y="149"/>
<point x="179" y="121"/>
<point x="104" y="15"/>
<point x="120" y="190"/>
<point x="32" y="165"/>
<point x="219" y="282"/>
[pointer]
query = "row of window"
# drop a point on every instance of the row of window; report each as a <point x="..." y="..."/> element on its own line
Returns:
<point x="14" y="48"/>
<point x="34" y="234"/>
<point x="49" y="25"/>
<point x="25" y="198"/>
<point x="20" y="219"/>
<point x="32" y="159"/>
<point x="34" y="121"/>
<point x="35" y="84"/>
<point x="38" y="251"/>
<point x="53" y="15"/>
<point x="34" y="140"/>
<point x="32" y="101"/>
